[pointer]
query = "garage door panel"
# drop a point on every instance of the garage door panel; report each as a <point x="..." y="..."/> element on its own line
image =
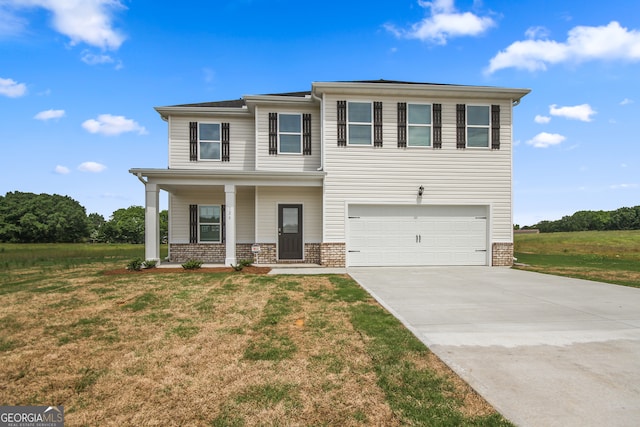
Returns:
<point x="417" y="235"/>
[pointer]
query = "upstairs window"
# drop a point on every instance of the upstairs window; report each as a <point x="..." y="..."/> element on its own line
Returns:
<point x="419" y="125"/>
<point x="209" y="141"/>
<point x="290" y="133"/>
<point x="478" y="124"/>
<point x="209" y="223"/>
<point x="360" y="124"/>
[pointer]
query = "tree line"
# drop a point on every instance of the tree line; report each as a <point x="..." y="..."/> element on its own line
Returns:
<point x="46" y="218"/>
<point x="619" y="219"/>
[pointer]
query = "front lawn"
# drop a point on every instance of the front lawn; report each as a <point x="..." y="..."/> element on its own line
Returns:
<point x="216" y="349"/>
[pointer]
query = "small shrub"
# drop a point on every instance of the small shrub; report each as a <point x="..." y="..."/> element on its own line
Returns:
<point x="242" y="264"/>
<point x="135" y="264"/>
<point x="150" y="263"/>
<point x="192" y="264"/>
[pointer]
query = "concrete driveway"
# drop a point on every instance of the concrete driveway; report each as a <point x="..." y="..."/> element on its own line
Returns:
<point x="543" y="350"/>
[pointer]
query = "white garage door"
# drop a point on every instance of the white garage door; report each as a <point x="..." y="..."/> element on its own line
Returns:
<point x="381" y="235"/>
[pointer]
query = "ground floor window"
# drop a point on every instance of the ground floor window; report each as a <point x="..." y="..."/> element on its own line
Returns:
<point x="209" y="223"/>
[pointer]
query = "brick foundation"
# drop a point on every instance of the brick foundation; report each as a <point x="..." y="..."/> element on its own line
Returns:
<point x="215" y="253"/>
<point x="333" y="254"/>
<point x="502" y="255"/>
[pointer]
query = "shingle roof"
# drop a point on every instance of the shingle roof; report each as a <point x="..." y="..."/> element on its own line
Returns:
<point x="239" y="103"/>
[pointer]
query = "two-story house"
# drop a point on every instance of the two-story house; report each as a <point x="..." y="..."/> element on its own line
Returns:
<point x="362" y="173"/>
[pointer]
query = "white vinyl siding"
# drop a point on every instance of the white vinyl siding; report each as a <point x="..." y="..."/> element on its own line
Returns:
<point x="268" y="199"/>
<point x="179" y="217"/>
<point x="241" y="143"/>
<point x="391" y="175"/>
<point x="285" y="162"/>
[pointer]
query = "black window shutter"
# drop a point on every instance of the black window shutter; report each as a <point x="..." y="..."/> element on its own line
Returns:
<point x="225" y="142"/>
<point x="193" y="141"/>
<point x="273" y="133"/>
<point x="495" y="127"/>
<point x="461" y="113"/>
<point x="377" y="124"/>
<point x="402" y="124"/>
<point x="437" y="125"/>
<point x="223" y="229"/>
<point x="193" y="223"/>
<point x="306" y="134"/>
<point x="342" y="123"/>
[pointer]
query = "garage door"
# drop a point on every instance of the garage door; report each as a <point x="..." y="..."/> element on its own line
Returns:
<point x="390" y="235"/>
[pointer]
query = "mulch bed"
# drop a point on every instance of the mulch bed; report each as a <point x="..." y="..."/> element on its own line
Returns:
<point x="245" y="270"/>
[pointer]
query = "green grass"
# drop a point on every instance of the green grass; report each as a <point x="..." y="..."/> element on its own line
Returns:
<point x="66" y="255"/>
<point x="609" y="256"/>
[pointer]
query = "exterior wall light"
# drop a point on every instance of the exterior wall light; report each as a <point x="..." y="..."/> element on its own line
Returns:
<point x="420" y="191"/>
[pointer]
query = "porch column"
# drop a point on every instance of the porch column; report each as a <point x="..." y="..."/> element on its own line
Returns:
<point x="230" y="227"/>
<point x="151" y="223"/>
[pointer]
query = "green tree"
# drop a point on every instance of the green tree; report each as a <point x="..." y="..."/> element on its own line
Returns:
<point x="41" y="218"/>
<point x="125" y="225"/>
<point x="95" y="221"/>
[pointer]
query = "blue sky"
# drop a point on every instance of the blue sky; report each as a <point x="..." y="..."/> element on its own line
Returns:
<point x="79" y="80"/>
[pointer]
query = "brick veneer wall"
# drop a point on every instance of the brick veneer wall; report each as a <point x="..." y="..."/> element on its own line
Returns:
<point x="211" y="253"/>
<point x="502" y="254"/>
<point x="333" y="254"/>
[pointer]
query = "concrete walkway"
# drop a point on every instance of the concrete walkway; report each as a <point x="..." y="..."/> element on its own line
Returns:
<point x="543" y="350"/>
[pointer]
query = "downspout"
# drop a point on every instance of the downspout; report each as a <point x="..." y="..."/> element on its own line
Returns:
<point x="321" y="101"/>
<point x="139" y="175"/>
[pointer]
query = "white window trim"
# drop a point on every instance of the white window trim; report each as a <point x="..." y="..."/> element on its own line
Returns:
<point x="359" y="123"/>
<point x="219" y="142"/>
<point x="467" y="126"/>
<point x="430" y="126"/>
<point x="285" y="153"/>
<point x="210" y="223"/>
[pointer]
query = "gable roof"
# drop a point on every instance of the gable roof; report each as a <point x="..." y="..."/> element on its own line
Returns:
<point x="241" y="103"/>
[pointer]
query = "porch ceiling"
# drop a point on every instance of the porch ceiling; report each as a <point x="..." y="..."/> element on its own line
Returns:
<point x="173" y="179"/>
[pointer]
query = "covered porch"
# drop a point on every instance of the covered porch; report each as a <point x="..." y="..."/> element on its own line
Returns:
<point x="223" y="217"/>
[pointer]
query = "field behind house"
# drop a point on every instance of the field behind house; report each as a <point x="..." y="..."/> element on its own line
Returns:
<point x="609" y="256"/>
<point x="217" y="349"/>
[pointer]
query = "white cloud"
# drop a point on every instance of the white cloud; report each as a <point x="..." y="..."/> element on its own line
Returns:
<point x="62" y="170"/>
<point x="443" y="23"/>
<point x="624" y="186"/>
<point x="581" y="112"/>
<point x="83" y="21"/>
<point x="11" y="88"/>
<point x="49" y="114"/>
<point x="610" y="42"/>
<point x="536" y="32"/>
<point x="626" y="101"/>
<point x="91" y="167"/>
<point x="108" y="124"/>
<point x="542" y="119"/>
<point x="544" y="140"/>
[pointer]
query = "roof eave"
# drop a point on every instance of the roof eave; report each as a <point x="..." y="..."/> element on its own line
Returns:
<point x="439" y="90"/>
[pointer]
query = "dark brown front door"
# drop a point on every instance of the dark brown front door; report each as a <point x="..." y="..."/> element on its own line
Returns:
<point x="290" y="231"/>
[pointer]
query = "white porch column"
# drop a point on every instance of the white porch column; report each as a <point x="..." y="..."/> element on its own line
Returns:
<point x="230" y="224"/>
<point x="151" y="222"/>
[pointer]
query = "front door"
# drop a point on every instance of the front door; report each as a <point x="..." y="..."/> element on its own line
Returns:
<point x="290" y="232"/>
